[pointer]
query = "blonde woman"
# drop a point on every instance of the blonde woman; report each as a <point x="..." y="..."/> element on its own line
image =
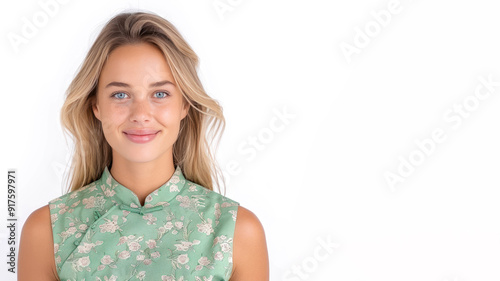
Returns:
<point x="141" y="204"/>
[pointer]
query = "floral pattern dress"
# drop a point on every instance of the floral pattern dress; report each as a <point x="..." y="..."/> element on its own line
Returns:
<point x="184" y="231"/>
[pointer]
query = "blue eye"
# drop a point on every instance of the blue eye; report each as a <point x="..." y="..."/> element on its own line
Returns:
<point x="165" y="94"/>
<point x="116" y="95"/>
<point x="122" y="95"/>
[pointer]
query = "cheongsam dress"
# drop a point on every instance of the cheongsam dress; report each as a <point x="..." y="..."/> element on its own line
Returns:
<point x="184" y="231"/>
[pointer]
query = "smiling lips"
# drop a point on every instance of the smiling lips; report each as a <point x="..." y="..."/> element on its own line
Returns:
<point x="141" y="136"/>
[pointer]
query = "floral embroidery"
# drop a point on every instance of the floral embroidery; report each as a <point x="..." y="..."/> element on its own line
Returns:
<point x="205" y="227"/>
<point x="183" y="232"/>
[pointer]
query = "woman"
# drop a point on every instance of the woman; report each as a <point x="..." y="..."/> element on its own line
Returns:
<point x="141" y="204"/>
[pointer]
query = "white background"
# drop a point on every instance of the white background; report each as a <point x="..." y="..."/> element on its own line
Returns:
<point x="352" y="119"/>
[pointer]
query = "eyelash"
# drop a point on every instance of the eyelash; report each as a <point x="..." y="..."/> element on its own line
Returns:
<point x="113" y="95"/>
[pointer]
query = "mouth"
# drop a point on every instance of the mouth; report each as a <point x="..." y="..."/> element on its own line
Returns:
<point x="142" y="137"/>
<point x="141" y="132"/>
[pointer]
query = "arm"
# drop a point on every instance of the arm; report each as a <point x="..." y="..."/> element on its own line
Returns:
<point x="36" y="248"/>
<point x="250" y="257"/>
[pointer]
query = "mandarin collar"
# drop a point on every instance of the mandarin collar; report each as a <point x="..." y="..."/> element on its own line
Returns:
<point x="127" y="199"/>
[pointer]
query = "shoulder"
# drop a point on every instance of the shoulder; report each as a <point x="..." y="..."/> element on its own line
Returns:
<point x="36" y="252"/>
<point x="64" y="203"/>
<point x="247" y="223"/>
<point x="250" y="257"/>
<point x="38" y="219"/>
<point x="38" y="225"/>
<point x="195" y="189"/>
<point x="70" y="196"/>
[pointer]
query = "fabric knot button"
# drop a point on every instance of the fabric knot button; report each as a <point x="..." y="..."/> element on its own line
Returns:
<point x="96" y="215"/>
<point x="141" y="210"/>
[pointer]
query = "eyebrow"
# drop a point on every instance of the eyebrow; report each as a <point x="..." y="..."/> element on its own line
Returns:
<point x="125" y="85"/>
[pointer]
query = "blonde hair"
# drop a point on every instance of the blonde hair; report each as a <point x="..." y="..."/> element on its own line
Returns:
<point x="204" y="122"/>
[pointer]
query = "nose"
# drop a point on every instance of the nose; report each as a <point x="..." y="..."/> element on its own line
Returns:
<point x="140" y="111"/>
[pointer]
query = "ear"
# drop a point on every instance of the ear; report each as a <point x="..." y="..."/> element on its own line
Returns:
<point x="95" y="107"/>
<point x="185" y="109"/>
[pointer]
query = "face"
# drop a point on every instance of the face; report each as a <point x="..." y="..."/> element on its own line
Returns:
<point x="138" y="104"/>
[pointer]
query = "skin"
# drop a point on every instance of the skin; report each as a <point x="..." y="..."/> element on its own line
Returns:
<point x="140" y="167"/>
<point x="146" y="166"/>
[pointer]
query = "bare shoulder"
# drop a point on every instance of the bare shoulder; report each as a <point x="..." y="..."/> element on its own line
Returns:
<point x="250" y="256"/>
<point x="36" y="249"/>
<point x="247" y="221"/>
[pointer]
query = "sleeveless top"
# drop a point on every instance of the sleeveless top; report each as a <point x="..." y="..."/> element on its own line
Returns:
<point x="184" y="231"/>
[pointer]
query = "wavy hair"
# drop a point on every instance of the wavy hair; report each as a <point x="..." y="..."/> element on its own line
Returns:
<point x="203" y="124"/>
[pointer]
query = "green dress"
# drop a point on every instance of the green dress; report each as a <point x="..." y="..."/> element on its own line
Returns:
<point x="184" y="231"/>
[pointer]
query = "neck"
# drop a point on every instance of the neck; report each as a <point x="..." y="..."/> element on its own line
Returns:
<point x="142" y="178"/>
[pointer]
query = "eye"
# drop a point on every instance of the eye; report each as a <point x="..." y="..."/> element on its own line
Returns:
<point x="119" y="95"/>
<point x="162" y="94"/>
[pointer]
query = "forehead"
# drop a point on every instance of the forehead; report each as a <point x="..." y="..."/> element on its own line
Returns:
<point x="136" y="64"/>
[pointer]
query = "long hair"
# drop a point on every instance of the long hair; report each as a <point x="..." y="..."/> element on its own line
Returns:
<point x="203" y="124"/>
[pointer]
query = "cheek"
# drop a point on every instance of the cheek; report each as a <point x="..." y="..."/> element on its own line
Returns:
<point x="113" y="118"/>
<point x="107" y="127"/>
<point x="169" y="118"/>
